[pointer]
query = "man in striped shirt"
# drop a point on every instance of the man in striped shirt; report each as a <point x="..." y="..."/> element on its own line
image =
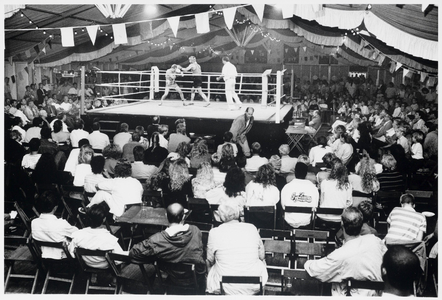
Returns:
<point x="406" y="225"/>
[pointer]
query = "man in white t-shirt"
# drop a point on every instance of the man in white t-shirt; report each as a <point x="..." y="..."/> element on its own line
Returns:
<point x="97" y="139"/>
<point x="299" y="192"/>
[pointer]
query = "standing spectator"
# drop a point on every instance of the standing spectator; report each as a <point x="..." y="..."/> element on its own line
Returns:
<point x="97" y="139"/>
<point x="122" y="137"/>
<point x="417" y="152"/>
<point x="344" y="150"/>
<point x="240" y="127"/>
<point x="41" y="93"/>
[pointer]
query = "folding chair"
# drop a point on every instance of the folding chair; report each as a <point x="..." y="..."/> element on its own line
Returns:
<point x="300" y="209"/>
<point x="60" y="270"/>
<point x="20" y="259"/>
<point x="388" y="200"/>
<point x="299" y="282"/>
<point x="366" y="285"/>
<point x="153" y="198"/>
<point x="130" y="273"/>
<point x="24" y="218"/>
<point x="255" y="280"/>
<point x="305" y="250"/>
<point x="200" y="210"/>
<point x="423" y="200"/>
<point x="261" y="216"/>
<point x="187" y="271"/>
<point x="331" y="226"/>
<point x="72" y="198"/>
<point x="278" y="257"/>
<point x="88" y="271"/>
<point x="275" y="234"/>
<point x="213" y="208"/>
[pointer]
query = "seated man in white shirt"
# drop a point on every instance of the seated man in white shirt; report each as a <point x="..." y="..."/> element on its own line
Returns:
<point x="139" y="169"/>
<point x="48" y="228"/>
<point x="253" y="163"/>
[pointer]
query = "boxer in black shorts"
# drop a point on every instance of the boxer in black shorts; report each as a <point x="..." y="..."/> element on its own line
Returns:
<point x="195" y="68"/>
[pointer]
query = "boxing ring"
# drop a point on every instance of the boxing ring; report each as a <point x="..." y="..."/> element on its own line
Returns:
<point x="141" y="98"/>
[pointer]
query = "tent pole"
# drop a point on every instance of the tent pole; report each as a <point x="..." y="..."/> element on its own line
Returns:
<point x="82" y="90"/>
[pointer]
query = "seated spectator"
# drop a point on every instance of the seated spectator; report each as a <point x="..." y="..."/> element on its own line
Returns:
<point x="177" y="186"/>
<point x="48" y="228"/>
<point x="405" y="224"/>
<point x="287" y="162"/>
<point x="30" y="160"/>
<point x="78" y="133"/>
<point x="119" y="191"/>
<point x="262" y="190"/>
<point x="344" y="149"/>
<point x="401" y="139"/>
<point x="364" y="180"/>
<point x="59" y="136"/>
<point x="46" y="172"/>
<point x="84" y="165"/>
<point x="178" y="243"/>
<point x="204" y="180"/>
<point x="143" y="139"/>
<point x="325" y="171"/>
<point x="123" y="136"/>
<point x="34" y="131"/>
<point x="226" y="160"/>
<point x="97" y="139"/>
<point x="256" y="160"/>
<point x="242" y="256"/>
<point x="366" y="208"/>
<point x="233" y="190"/>
<point x="336" y="191"/>
<point x="390" y="179"/>
<point x="47" y="145"/>
<point x="227" y="137"/>
<point x="163" y="130"/>
<point x="155" y="154"/>
<point x="72" y="161"/>
<point x="400" y="269"/>
<point x="178" y="137"/>
<point x="91" y="180"/>
<point x="112" y="153"/>
<point x="139" y="169"/>
<point x="199" y="154"/>
<point x="128" y="148"/>
<point x="95" y="237"/>
<point x="317" y="152"/>
<point x="315" y="122"/>
<point x="181" y="152"/>
<point x="299" y="192"/>
<point x="360" y="258"/>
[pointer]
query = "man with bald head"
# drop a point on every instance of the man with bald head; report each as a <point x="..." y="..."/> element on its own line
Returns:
<point x="178" y="243"/>
<point x="360" y="258"/>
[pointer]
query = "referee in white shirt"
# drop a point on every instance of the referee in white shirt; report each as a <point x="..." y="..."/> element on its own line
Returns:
<point x="229" y="74"/>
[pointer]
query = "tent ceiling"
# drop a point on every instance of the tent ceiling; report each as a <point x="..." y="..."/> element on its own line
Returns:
<point x="315" y="29"/>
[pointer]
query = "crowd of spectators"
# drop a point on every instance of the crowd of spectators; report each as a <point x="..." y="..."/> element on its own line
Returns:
<point x="382" y="138"/>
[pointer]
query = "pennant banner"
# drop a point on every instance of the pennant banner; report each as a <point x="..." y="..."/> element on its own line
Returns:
<point x="67" y="37"/>
<point x="28" y="53"/>
<point x="43" y="50"/>
<point x="27" y="70"/>
<point x="259" y="9"/>
<point x="174" y="23"/>
<point x="229" y="16"/>
<point x="202" y="23"/>
<point x="423" y="76"/>
<point x="304" y="48"/>
<point x="10" y="60"/>
<point x="253" y="51"/>
<point x="381" y="59"/>
<point x="287" y="10"/>
<point x="120" y="34"/>
<point x="431" y="81"/>
<point x="392" y="67"/>
<point x="398" y="66"/>
<point x="92" y="31"/>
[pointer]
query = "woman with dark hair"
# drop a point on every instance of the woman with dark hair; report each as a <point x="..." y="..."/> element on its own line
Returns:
<point x="60" y="136"/>
<point x="262" y="191"/>
<point x="344" y="150"/>
<point x="233" y="190"/>
<point x="336" y="191"/>
<point x="155" y="154"/>
<point x="46" y="172"/>
<point x="317" y="153"/>
<point x="199" y="154"/>
<point x="119" y="191"/>
<point x="112" y="153"/>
